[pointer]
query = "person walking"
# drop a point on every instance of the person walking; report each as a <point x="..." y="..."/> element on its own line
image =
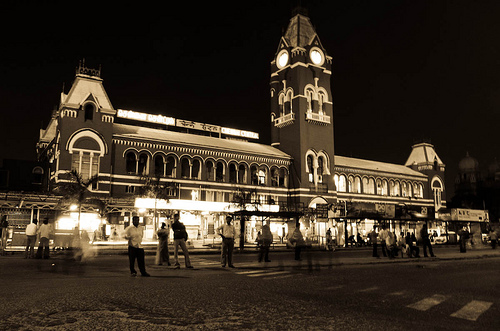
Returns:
<point x="383" y="233"/>
<point x="297" y="240"/>
<point x="424" y="233"/>
<point x="373" y="239"/>
<point x="493" y="239"/>
<point x="266" y="240"/>
<point x="31" y="239"/>
<point x="162" y="253"/>
<point x="44" y="233"/>
<point x="180" y="237"/>
<point x="227" y="232"/>
<point x="464" y="237"/>
<point x="134" y="234"/>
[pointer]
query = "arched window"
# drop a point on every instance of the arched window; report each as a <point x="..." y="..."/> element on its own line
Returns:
<point x="159" y="166"/>
<point x="219" y="172"/>
<point x="210" y="170"/>
<point x="142" y="166"/>
<point x="288" y="101"/>
<point x="37" y="175"/>
<point x="365" y="185"/>
<point x="282" y="176"/>
<point x="170" y="167"/>
<point x="196" y="169"/>
<point x="89" y="109"/>
<point x="185" y="168"/>
<point x="275" y="177"/>
<point x="357" y="185"/>
<point x="321" y="169"/>
<point x="321" y="100"/>
<point x="342" y="184"/>
<point x="371" y="186"/>
<point x="397" y="189"/>
<point x="242" y="174"/>
<point x="254" y="175"/>
<point x="281" y="103"/>
<point x="404" y="189"/>
<point x="262" y="176"/>
<point x="309" y="96"/>
<point x="232" y="173"/>
<point x="350" y="183"/>
<point x="131" y="163"/>
<point x="310" y="168"/>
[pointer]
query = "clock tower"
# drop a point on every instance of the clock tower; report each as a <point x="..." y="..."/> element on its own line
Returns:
<point x="302" y="111"/>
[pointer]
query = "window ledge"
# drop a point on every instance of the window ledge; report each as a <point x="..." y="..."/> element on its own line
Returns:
<point x="317" y="118"/>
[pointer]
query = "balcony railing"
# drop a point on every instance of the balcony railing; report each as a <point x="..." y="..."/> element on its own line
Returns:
<point x="317" y="118"/>
<point x="284" y="120"/>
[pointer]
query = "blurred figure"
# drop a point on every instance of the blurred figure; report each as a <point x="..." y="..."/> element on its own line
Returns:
<point x="134" y="235"/>
<point x="424" y="233"/>
<point x="297" y="240"/>
<point x="413" y="251"/>
<point x="493" y="238"/>
<point x="266" y="241"/>
<point x="382" y="234"/>
<point x="227" y="232"/>
<point x="44" y="233"/>
<point x="162" y="253"/>
<point x="373" y="239"/>
<point x="31" y="239"/>
<point x="329" y="240"/>
<point x="3" y="233"/>
<point x="464" y="237"/>
<point x="180" y="238"/>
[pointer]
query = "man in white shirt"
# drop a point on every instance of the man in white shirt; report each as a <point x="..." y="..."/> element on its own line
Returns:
<point x="30" y="239"/>
<point x="382" y="235"/>
<point x="227" y="233"/>
<point x="134" y="235"/>
<point x="44" y="232"/>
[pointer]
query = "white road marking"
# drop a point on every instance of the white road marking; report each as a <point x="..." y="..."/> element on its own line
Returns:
<point x="279" y="277"/>
<point x="398" y="293"/>
<point x="472" y="310"/>
<point x="248" y="272"/>
<point x="428" y="303"/>
<point x="268" y="273"/>
<point x="369" y="289"/>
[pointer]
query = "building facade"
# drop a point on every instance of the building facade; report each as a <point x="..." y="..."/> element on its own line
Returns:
<point x="153" y="165"/>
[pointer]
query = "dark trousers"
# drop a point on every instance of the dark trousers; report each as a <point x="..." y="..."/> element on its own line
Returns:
<point x="43" y="249"/>
<point x="298" y="248"/>
<point x="227" y="251"/>
<point x="375" y="252"/>
<point x="463" y="245"/>
<point x="264" y="252"/>
<point x="136" y="253"/>
<point x="384" y="247"/>
<point x="30" y="246"/>
<point x="427" y="245"/>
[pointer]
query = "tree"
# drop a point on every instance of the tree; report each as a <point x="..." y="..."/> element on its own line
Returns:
<point x="243" y="200"/>
<point x="153" y="189"/>
<point x="75" y="190"/>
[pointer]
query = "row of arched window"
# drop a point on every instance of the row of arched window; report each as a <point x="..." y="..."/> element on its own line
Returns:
<point x="316" y="98"/>
<point x="161" y="165"/>
<point x="378" y="186"/>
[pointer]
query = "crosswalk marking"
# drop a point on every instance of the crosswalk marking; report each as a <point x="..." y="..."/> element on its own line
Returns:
<point x="248" y="272"/>
<point x="399" y="293"/>
<point x="472" y="310"/>
<point x="280" y="277"/>
<point x="267" y="273"/>
<point x="428" y="303"/>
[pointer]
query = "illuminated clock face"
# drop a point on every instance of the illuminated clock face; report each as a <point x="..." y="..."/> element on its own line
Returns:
<point x="316" y="56"/>
<point x="282" y="59"/>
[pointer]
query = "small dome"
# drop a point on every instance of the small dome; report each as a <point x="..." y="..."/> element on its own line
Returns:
<point x="468" y="164"/>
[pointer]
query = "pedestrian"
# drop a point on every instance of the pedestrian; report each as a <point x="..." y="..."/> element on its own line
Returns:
<point x="413" y="250"/>
<point x="424" y="233"/>
<point x="31" y="239"/>
<point x="180" y="238"/>
<point x="360" y="240"/>
<point x="162" y="253"/>
<point x="227" y="232"/>
<point x="464" y="237"/>
<point x="493" y="238"/>
<point x="373" y="239"/>
<point x="297" y="240"/>
<point x="390" y="242"/>
<point x="383" y="233"/>
<point x="266" y="240"/>
<point x="134" y="234"/>
<point x="44" y="232"/>
<point x="329" y="240"/>
<point x="3" y="233"/>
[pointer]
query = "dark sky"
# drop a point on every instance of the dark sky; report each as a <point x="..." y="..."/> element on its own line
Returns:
<point x="402" y="70"/>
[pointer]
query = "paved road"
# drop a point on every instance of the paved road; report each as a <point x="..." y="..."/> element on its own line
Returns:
<point x="340" y="291"/>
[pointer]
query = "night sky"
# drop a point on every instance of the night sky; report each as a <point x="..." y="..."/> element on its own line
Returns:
<point x="402" y="70"/>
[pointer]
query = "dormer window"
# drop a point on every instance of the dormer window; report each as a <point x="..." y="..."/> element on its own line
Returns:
<point x="89" y="109"/>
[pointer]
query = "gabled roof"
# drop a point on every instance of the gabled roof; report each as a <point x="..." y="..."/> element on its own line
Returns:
<point x="375" y="166"/>
<point x="192" y="140"/>
<point x="423" y="153"/>
<point x="87" y="87"/>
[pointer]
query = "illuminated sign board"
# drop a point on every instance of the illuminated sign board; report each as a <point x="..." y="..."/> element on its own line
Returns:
<point x="134" y="115"/>
<point x="240" y="133"/>
<point x="138" y="116"/>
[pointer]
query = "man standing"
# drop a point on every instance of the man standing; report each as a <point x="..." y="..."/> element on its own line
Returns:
<point x="426" y="241"/>
<point x="373" y="239"/>
<point x="30" y="239"/>
<point x="227" y="233"/>
<point x="44" y="232"/>
<point x="134" y="235"/>
<point x="180" y="237"/>
<point x="162" y="253"/>
<point x="266" y="241"/>
<point x="383" y="234"/>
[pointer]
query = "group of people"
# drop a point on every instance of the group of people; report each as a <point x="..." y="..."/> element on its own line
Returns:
<point x="405" y="243"/>
<point x="41" y="234"/>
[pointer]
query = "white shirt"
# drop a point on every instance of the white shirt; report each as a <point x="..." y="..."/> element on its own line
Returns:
<point x="227" y="231"/>
<point x="134" y="235"/>
<point x="31" y="229"/>
<point x="44" y="231"/>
